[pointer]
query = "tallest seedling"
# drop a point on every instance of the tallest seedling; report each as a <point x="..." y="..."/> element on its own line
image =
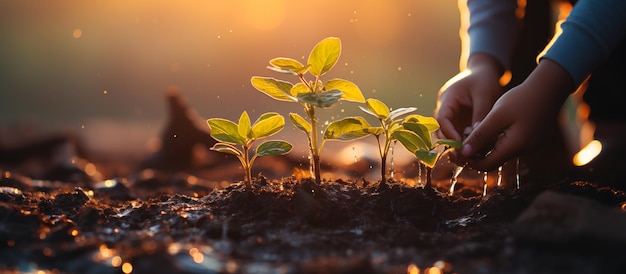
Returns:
<point x="310" y="93"/>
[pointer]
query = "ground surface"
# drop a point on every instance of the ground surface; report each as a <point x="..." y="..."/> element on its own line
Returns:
<point x="173" y="223"/>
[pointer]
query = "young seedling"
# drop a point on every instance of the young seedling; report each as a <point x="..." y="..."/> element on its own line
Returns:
<point x="231" y="137"/>
<point x="311" y="94"/>
<point x="415" y="136"/>
<point x="356" y="127"/>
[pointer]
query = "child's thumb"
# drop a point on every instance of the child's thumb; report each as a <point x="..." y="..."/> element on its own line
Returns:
<point x="478" y="143"/>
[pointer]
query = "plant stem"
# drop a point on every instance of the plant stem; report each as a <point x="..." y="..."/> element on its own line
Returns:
<point x="383" y="169"/>
<point x="315" y="151"/>
<point x="429" y="181"/>
<point x="247" y="167"/>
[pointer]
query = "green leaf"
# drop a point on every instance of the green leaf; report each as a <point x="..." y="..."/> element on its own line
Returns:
<point x="401" y="111"/>
<point x="350" y="91"/>
<point x="299" y="88"/>
<point x="287" y="65"/>
<point x="428" y="157"/>
<point x="324" y="56"/>
<point x="269" y="125"/>
<point x="300" y="122"/>
<point x="420" y="130"/>
<point x="429" y="122"/>
<point x="224" y="130"/>
<point x="409" y="140"/>
<point x="449" y="143"/>
<point x="243" y="127"/>
<point x="272" y="148"/>
<point x="377" y="108"/>
<point x="226" y="148"/>
<point x="320" y="99"/>
<point x="277" y="89"/>
<point x="265" y="116"/>
<point x="346" y="129"/>
<point x="375" y="130"/>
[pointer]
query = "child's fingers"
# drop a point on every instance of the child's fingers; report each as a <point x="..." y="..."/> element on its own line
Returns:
<point x="483" y="147"/>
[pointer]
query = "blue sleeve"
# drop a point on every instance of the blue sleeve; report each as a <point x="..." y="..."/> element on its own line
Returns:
<point x="587" y="37"/>
<point x="493" y="28"/>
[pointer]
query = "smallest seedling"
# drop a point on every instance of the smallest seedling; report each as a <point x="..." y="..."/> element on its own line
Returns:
<point x="237" y="139"/>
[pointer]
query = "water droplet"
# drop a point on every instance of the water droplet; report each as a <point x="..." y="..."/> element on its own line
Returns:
<point x="325" y="123"/>
<point x="105" y="92"/>
<point x="392" y="171"/>
<point x="219" y="36"/>
<point x="345" y="64"/>
<point x="453" y="180"/>
<point x="485" y="176"/>
<point x="517" y="181"/>
<point x="399" y="68"/>
<point x="419" y="173"/>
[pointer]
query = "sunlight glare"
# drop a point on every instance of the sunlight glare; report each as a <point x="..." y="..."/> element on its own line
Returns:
<point x="587" y="153"/>
<point x="413" y="269"/>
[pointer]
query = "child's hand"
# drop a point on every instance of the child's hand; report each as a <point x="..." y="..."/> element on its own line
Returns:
<point x="466" y="98"/>
<point x="517" y="120"/>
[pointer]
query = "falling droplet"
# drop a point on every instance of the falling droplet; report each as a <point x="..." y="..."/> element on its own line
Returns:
<point x="392" y="171"/>
<point x="455" y="174"/>
<point x="419" y="173"/>
<point x="311" y="165"/>
<point x="485" y="176"/>
<point x="499" y="176"/>
<point x="517" y="172"/>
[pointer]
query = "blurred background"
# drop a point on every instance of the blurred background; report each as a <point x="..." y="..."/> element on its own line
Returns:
<point x="101" y="68"/>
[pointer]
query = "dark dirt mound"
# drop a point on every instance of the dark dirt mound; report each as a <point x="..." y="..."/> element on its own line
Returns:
<point x="170" y="224"/>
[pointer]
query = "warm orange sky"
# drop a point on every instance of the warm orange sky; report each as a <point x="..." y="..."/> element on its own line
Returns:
<point x="81" y="64"/>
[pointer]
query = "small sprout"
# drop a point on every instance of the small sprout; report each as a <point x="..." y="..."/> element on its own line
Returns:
<point x="415" y="136"/>
<point x="231" y="136"/>
<point x="311" y="94"/>
<point x="353" y="128"/>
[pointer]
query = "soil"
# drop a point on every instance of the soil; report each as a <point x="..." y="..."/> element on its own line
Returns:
<point x="163" y="217"/>
<point x="171" y="223"/>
